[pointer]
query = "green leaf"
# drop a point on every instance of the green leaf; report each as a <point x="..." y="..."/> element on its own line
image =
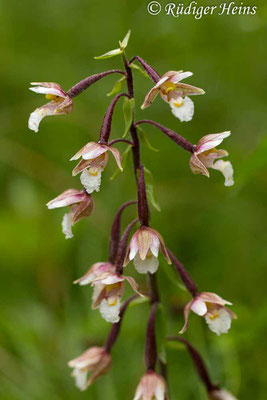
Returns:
<point x="128" y="107"/>
<point x="111" y="53"/>
<point x="123" y="163"/>
<point x="117" y="87"/>
<point x="140" y="69"/>
<point x="160" y="329"/>
<point x="172" y="344"/>
<point x="139" y="300"/>
<point x="124" y="42"/>
<point x="143" y="137"/>
<point x="150" y="189"/>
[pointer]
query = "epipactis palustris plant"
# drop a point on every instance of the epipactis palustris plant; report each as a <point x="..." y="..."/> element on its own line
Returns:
<point x="107" y="278"/>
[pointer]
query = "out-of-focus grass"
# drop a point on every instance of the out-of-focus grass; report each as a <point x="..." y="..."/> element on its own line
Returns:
<point x="218" y="233"/>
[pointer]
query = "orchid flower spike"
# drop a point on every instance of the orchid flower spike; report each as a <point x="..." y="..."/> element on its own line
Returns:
<point x="60" y="103"/>
<point x="94" y="159"/>
<point x="206" y="153"/>
<point x="144" y="249"/>
<point x="96" y="360"/>
<point x="152" y="386"/>
<point x="175" y="93"/>
<point x="82" y="206"/>
<point x="221" y="394"/>
<point x="108" y="289"/>
<point x="212" y="308"/>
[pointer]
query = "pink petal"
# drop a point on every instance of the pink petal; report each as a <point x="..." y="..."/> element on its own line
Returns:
<point x="150" y="97"/>
<point x="199" y="307"/>
<point x="133" y="284"/>
<point x="208" y="142"/>
<point x="67" y="198"/>
<point x="186" y="315"/>
<point x="213" y="298"/>
<point x="117" y="155"/>
<point x="89" y="151"/>
<point x="197" y="167"/>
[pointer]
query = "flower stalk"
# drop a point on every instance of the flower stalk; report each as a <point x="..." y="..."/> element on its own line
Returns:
<point x="178" y="139"/>
<point x="115" y="231"/>
<point x="106" y="125"/>
<point x="84" y="84"/>
<point x="151" y="346"/>
<point x="184" y="275"/>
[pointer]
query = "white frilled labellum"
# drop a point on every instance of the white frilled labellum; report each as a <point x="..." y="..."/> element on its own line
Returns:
<point x="91" y="180"/>
<point x="80" y="377"/>
<point x="37" y="116"/>
<point x="219" y="321"/>
<point x="66" y="226"/>
<point x="182" y="108"/>
<point x="149" y="264"/>
<point x="226" y="168"/>
<point x="110" y="310"/>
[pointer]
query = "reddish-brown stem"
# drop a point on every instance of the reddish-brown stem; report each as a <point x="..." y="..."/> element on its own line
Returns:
<point x="121" y="253"/>
<point x="143" y="210"/>
<point x="120" y="140"/>
<point x="151" y="346"/>
<point x="129" y="76"/>
<point x="184" y="275"/>
<point x="178" y="139"/>
<point x="150" y="70"/>
<point x="106" y="124"/>
<point x="116" y="232"/>
<point x="115" y="330"/>
<point x="85" y="83"/>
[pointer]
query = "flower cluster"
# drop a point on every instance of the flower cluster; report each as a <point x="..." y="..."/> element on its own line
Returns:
<point x="107" y="278"/>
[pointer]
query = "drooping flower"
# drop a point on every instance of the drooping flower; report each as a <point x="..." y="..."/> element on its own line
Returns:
<point x="152" y="386"/>
<point x="96" y="360"/>
<point x="221" y="394"/>
<point x="144" y="249"/>
<point x="206" y="153"/>
<point x="60" y="103"/>
<point x="175" y="93"/>
<point x="94" y="159"/>
<point x="108" y="289"/>
<point x="81" y="206"/>
<point x="212" y="308"/>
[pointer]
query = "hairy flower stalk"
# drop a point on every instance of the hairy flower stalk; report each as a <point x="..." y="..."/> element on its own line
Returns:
<point x="152" y="73"/>
<point x="115" y="231"/>
<point x="181" y="141"/>
<point x="87" y="82"/>
<point x="143" y="211"/>
<point x="122" y="247"/>
<point x="184" y="275"/>
<point x="106" y="125"/>
<point x="213" y="390"/>
<point x="151" y="346"/>
<point x="107" y="278"/>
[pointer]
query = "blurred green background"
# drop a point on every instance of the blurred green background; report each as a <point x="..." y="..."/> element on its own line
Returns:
<point x="218" y="233"/>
